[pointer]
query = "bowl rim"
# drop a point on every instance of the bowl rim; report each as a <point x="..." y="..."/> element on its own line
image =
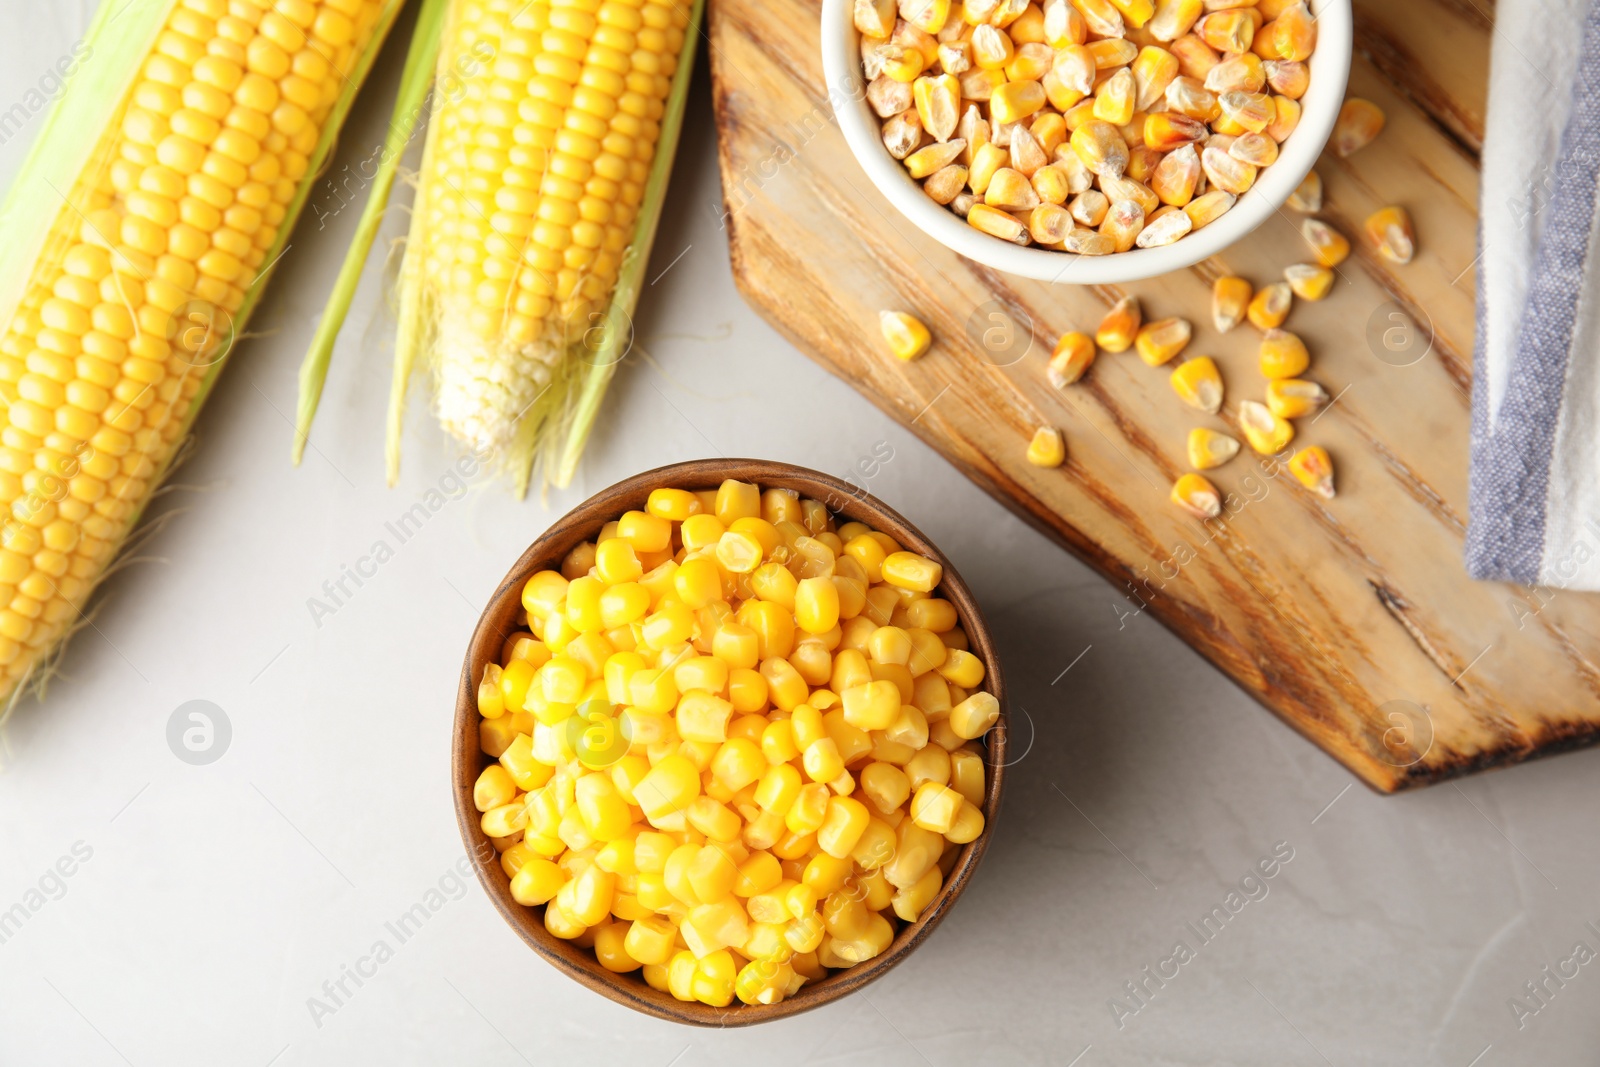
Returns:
<point x="846" y="90"/>
<point x="497" y="620"/>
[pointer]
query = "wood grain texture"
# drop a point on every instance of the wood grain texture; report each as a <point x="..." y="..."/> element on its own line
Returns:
<point x="1352" y="619"/>
<point x="499" y="620"/>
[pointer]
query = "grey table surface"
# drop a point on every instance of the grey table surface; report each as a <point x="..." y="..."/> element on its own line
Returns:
<point x="215" y="914"/>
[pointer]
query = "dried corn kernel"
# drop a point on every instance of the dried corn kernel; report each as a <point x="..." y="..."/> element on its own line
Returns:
<point x="1176" y="176"/>
<point x="1307" y="196"/>
<point x="1199" y="384"/>
<point x="1292" y="398"/>
<point x="1159" y="341"/>
<point x="1389" y="230"/>
<point x="1117" y="330"/>
<point x="1209" y="206"/>
<point x="1308" y="281"/>
<point x="1283" y="355"/>
<point x="936" y="156"/>
<point x="1113" y="101"/>
<point x="997" y="223"/>
<point x="938" y="103"/>
<point x="1123" y="223"/>
<point x="1047" y="449"/>
<point x="906" y="336"/>
<point x="1229" y="297"/>
<point x="1313" y="468"/>
<point x="1328" y="245"/>
<point x="1237" y="73"/>
<point x="1267" y="433"/>
<point x="1195" y="494"/>
<point x="1101" y="148"/>
<point x="1358" y="123"/>
<point x="1208" y="448"/>
<point x="1072" y="356"/>
<point x="873" y="18"/>
<point x="1166" y="225"/>
<point x="1270" y="306"/>
<point x="1286" y="116"/>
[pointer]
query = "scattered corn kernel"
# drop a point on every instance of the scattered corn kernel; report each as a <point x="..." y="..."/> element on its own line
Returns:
<point x="1328" y="245"/>
<point x="1270" y="306"/>
<point x="1047" y="449"/>
<point x="1157" y="342"/>
<point x="1230" y="296"/>
<point x="1307" y="196"/>
<point x="1120" y="325"/>
<point x="1309" y="281"/>
<point x="1195" y="494"/>
<point x="1292" y="398"/>
<point x="1072" y="357"/>
<point x="696" y="823"/>
<point x="1283" y="355"/>
<point x="1208" y="448"/>
<point x="1358" y="123"/>
<point x="1313" y="468"/>
<point x="1198" y="384"/>
<point x="907" y="337"/>
<point x="1267" y="433"/>
<point x="1389" y="230"/>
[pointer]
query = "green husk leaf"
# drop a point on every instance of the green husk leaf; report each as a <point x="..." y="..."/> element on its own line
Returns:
<point x="595" y="367"/>
<point x="410" y="103"/>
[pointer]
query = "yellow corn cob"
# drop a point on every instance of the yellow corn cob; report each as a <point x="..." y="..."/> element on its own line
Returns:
<point x="531" y="182"/>
<point x="155" y="254"/>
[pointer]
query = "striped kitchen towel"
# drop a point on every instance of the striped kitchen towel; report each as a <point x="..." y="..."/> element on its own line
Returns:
<point x="1535" y="477"/>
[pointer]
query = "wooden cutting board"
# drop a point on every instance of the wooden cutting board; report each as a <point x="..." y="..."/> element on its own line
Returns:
<point x="1353" y="620"/>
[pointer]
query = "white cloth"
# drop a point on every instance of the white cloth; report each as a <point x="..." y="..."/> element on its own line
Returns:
<point x="1535" y="481"/>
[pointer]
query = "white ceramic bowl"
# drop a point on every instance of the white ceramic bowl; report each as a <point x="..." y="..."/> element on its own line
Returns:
<point x="1330" y="68"/>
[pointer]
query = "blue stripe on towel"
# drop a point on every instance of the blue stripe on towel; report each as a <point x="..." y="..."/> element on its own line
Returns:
<point x="1512" y="448"/>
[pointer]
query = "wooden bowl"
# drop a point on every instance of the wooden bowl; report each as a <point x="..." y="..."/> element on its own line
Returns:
<point x="500" y="619"/>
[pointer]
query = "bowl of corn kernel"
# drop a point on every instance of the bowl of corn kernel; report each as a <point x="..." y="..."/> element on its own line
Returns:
<point x="1086" y="141"/>
<point x="734" y="730"/>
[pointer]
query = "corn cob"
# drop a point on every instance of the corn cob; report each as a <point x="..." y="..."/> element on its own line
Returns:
<point x="133" y="261"/>
<point x="540" y="188"/>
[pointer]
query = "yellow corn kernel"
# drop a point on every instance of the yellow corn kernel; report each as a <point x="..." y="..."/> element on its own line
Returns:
<point x="1195" y="494"/>
<point x="997" y="223"/>
<point x="1282" y="355"/>
<point x="1100" y="147"/>
<point x="935" y="157"/>
<point x="1120" y="325"/>
<point x="1313" y="468"/>
<point x="1010" y="190"/>
<point x="1358" y="123"/>
<point x="1230" y="295"/>
<point x="1172" y="19"/>
<point x="1270" y="306"/>
<point x="1114" y="100"/>
<point x="1389" y="230"/>
<point x="1199" y="384"/>
<point x="1308" y="281"/>
<point x="1307" y="196"/>
<point x="1177" y="176"/>
<point x="843" y="826"/>
<point x="669" y="786"/>
<point x="962" y="668"/>
<point x="1209" y="206"/>
<point x="1292" y="398"/>
<point x="1047" y="449"/>
<point x="911" y="571"/>
<point x="1015" y="101"/>
<point x="938" y="104"/>
<point x="1153" y="70"/>
<point x="935" y="807"/>
<point x="1238" y="73"/>
<point x="1208" y="448"/>
<point x="537" y="882"/>
<point x="1328" y="245"/>
<point x="906" y="336"/>
<point x="873" y="18"/>
<point x="1159" y="341"/>
<point x="973" y="716"/>
<point x="902" y="62"/>
<point x="1195" y="57"/>
<point x="1167" y="130"/>
<point x="1230" y="31"/>
<point x="1267" y="433"/>
<point x="1072" y="357"/>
